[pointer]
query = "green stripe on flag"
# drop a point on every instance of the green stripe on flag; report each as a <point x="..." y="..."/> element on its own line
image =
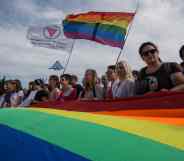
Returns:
<point x="92" y="141"/>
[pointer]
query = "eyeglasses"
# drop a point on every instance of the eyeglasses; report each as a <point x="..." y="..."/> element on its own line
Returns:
<point x="146" y="53"/>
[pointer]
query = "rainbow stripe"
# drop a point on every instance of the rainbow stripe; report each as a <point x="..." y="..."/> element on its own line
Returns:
<point x="108" y="28"/>
<point x="51" y="134"/>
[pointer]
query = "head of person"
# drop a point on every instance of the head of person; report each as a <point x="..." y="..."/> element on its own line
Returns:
<point x="38" y="84"/>
<point x="149" y="53"/>
<point x="74" y="80"/>
<point x="124" y="71"/>
<point x="54" y="82"/>
<point x="90" y="77"/>
<point x="65" y="80"/>
<point x="12" y="86"/>
<point x="111" y="73"/>
<point x="181" y="52"/>
<point x="135" y="74"/>
<point x="19" y="85"/>
<point x="31" y="85"/>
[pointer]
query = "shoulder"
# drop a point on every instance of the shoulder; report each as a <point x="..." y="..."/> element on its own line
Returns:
<point x="171" y="67"/>
<point x="142" y="72"/>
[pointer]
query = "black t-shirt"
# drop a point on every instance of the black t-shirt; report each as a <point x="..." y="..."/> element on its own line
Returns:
<point x="79" y="89"/>
<point x="40" y="94"/>
<point x="158" y="80"/>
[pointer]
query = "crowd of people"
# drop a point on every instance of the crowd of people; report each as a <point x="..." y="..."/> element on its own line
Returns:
<point x="119" y="81"/>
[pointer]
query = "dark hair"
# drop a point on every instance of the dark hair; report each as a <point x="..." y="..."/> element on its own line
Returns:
<point x="67" y="77"/>
<point x="18" y="84"/>
<point x="39" y="82"/>
<point x="145" y="44"/>
<point x="74" y="77"/>
<point x="181" y="51"/>
<point x="135" y="72"/>
<point x="113" y="67"/>
<point x="40" y="94"/>
<point x="55" y="78"/>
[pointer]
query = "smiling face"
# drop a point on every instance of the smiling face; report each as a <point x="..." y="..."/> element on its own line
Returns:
<point x="150" y="54"/>
<point x="120" y="69"/>
<point x="64" y="81"/>
<point x="111" y="74"/>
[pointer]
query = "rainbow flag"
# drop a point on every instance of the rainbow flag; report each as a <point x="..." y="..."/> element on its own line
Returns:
<point x="108" y="28"/>
<point x="149" y="128"/>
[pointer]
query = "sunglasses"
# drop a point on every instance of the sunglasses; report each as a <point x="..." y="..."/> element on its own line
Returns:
<point x="146" y="53"/>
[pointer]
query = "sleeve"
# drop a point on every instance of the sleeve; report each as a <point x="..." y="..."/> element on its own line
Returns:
<point x="174" y="68"/>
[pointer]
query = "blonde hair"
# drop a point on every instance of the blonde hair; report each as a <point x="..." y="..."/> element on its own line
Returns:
<point x="128" y="71"/>
<point x="90" y="85"/>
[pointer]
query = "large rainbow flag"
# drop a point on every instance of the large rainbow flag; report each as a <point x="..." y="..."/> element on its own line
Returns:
<point x="108" y="28"/>
<point x="114" y="130"/>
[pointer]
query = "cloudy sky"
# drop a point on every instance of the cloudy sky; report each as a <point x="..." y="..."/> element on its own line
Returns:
<point x="160" y="21"/>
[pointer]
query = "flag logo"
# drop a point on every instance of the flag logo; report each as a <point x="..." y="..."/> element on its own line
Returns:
<point x="51" y="32"/>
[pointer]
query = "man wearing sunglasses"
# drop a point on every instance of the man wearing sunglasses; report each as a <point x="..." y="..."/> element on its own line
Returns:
<point x="157" y="75"/>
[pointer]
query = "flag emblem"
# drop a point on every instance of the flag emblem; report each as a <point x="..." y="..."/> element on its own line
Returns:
<point x="51" y="32"/>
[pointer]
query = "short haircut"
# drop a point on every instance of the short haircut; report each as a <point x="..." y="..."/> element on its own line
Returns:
<point x="67" y="77"/>
<point x="113" y="67"/>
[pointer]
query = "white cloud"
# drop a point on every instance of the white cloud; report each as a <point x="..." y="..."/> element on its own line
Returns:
<point x="160" y="21"/>
<point x="29" y="8"/>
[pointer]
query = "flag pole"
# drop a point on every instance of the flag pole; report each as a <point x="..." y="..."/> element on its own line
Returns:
<point x="69" y="57"/>
<point x="126" y="36"/>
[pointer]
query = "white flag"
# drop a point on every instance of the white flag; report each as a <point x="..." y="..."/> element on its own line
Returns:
<point x="49" y="37"/>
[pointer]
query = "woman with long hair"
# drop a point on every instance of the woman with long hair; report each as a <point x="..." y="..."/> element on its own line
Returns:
<point x="91" y="90"/>
<point x="125" y="86"/>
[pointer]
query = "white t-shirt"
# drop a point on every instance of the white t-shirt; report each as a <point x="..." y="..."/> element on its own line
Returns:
<point x="122" y="89"/>
<point x="29" y="99"/>
<point x="14" y="99"/>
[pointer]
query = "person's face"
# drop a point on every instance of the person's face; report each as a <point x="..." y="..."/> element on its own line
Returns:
<point x="52" y="82"/>
<point x="110" y="74"/>
<point x="73" y="82"/>
<point x="11" y="86"/>
<point x="64" y="81"/>
<point x="120" y="69"/>
<point x="88" y="76"/>
<point x="150" y="54"/>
